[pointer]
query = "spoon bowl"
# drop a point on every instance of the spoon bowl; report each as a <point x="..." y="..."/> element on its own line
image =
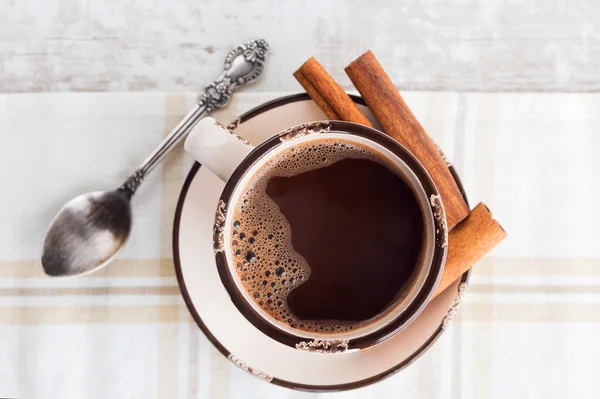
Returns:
<point x="87" y="233"/>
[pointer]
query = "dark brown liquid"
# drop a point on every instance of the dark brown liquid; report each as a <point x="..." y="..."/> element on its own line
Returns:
<point x="326" y="236"/>
<point x="360" y="229"/>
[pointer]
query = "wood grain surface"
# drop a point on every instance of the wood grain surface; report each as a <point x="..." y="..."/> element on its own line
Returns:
<point x="466" y="45"/>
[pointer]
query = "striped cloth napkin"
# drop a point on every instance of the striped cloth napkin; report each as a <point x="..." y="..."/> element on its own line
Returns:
<point x="528" y="327"/>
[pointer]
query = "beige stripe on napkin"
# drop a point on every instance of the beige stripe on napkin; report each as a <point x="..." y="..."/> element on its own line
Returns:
<point x="172" y="175"/>
<point x="118" y="268"/>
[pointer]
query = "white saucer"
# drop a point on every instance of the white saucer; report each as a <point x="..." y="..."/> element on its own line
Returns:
<point x="232" y="334"/>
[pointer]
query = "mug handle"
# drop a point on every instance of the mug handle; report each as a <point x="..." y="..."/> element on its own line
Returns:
<point x="216" y="147"/>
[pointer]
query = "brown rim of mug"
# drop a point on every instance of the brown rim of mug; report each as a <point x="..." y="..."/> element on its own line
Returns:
<point x="178" y="270"/>
<point x="414" y="307"/>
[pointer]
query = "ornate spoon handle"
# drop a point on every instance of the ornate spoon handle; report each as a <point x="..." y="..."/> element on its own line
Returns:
<point x="243" y="64"/>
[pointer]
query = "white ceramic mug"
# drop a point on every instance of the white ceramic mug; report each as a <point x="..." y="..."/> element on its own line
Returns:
<point x="235" y="161"/>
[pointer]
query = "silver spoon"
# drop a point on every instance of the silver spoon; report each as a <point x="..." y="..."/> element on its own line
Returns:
<point x="88" y="232"/>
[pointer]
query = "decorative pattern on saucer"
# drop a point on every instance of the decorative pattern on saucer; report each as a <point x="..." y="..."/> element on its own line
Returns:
<point x="219" y="227"/>
<point x="455" y="306"/>
<point x="440" y="218"/>
<point x="321" y="346"/>
<point x="304" y="130"/>
<point x="255" y="372"/>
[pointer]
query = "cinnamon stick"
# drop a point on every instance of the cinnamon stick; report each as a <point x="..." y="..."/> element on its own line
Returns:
<point x="397" y="120"/>
<point x="468" y="242"/>
<point x="325" y="92"/>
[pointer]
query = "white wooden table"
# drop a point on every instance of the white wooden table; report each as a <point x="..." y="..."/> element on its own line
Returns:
<point x="174" y="46"/>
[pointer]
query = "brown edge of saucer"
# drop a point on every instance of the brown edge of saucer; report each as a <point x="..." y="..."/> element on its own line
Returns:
<point x="184" y="292"/>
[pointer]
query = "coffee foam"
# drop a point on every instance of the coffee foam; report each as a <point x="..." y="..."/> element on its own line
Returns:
<point x="260" y="239"/>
